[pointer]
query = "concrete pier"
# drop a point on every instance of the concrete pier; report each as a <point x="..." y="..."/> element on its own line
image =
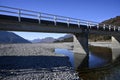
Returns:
<point x="115" y="46"/>
<point x="81" y="50"/>
<point x="81" y="43"/>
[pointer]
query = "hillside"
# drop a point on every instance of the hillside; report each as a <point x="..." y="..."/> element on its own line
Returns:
<point x="66" y="38"/>
<point x="10" y="37"/>
<point x="112" y="21"/>
<point x="44" y="40"/>
<point x="70" y="39"/>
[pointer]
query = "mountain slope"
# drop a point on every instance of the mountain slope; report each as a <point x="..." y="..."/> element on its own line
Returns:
<point x="113" y="21"/>
<point x="10" y="37"/>
<point x="44" y="40"/>
<point x="36" y="40"/>
<point x="66" y="38"/>
<point x="47" y="40"/>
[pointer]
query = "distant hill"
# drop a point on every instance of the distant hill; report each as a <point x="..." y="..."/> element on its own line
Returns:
<point x="45" y="40"/>
<point x="10" y="37"/>
<point x="66" y="38"/>
<point x="36" y="40"/>
<point x="48" y="40"/>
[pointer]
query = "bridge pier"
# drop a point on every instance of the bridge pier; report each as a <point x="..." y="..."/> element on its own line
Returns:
<point x="115" y="47"/>
<point x="81" y="51"/>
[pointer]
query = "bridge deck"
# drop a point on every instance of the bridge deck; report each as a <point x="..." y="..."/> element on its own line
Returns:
<point x="7" y="22"/>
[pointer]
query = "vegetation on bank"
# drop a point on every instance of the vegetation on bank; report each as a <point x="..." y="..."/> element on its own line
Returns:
<point x="70" y="39"/>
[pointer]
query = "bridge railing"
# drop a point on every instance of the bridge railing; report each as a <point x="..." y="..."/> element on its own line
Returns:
<point x="51" y="17"/>
<point x="45" y="16"/>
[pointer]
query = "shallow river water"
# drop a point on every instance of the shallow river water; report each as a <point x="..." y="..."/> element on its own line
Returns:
<point x="103" y="63"/>
<point x="98" y="56"/>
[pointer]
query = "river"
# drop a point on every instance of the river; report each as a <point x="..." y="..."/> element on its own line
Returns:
<point x="101" y="63"/>
<point x="98" y="56"/>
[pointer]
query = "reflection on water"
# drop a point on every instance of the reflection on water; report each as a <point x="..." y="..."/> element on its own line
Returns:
<point x="66" y="53"/>
<point x="98" y="56"/>
<point x="111" y="71"/>
<point x="96" y="61"/>
<point x="101" y="64"/>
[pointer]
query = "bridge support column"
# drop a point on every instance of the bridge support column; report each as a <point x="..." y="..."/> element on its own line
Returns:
<point x="115" y="47"/>
<point x="81" y="51"/>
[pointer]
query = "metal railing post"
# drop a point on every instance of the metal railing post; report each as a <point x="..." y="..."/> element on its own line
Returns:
<point x="39" y="18"/>
<point x="97" y="26"/>
<point x="78" y="23"/>
<point x="109" y="27"/>
<point x="55" y="20"/>
<point x="19" y="15"/>
<point x="114" y="28"/>
<point x="118" y="28"/>
<point x="104" y="26"/>
<point x="90" y="25"/>
<point x="87" y="25"/>
<point x="68" y="22"/>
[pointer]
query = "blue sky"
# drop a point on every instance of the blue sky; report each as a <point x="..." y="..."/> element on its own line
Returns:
<point x="93" y="10"/>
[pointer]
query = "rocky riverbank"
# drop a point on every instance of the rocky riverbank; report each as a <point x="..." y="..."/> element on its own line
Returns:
<point x="55" y="73"/>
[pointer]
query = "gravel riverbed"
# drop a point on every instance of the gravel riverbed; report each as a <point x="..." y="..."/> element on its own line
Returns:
<point x="56" y="73"/>
<point x="31" y="49"/>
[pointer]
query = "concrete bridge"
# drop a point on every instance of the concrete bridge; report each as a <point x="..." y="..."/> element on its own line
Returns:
<point x="14" y="19"/>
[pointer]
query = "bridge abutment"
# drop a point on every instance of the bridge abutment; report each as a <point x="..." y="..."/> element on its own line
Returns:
<point x="115" y="47"/>
<point x="81" y="51"/>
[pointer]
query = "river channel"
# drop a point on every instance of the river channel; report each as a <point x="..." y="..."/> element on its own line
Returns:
<point x="103" y="63"/>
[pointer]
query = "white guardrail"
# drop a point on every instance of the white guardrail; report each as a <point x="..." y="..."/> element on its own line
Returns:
<point x="50" y="17"/>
